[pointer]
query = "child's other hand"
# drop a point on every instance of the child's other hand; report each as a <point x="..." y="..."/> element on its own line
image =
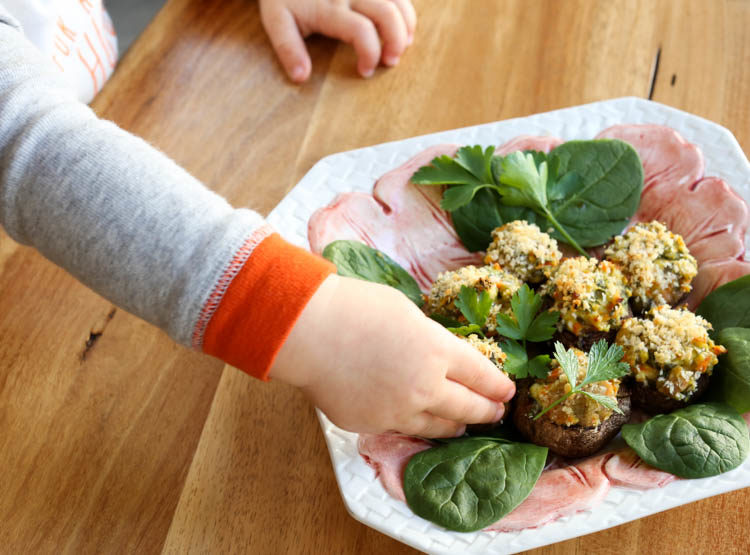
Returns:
<point x="371" y="360"/>
<point x="364" y="24"/>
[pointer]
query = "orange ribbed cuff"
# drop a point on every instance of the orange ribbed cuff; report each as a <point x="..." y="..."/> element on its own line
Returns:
<point x="262" y="304"/>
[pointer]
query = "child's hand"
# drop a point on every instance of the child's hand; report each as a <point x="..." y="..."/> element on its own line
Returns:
<point x="362" y="23"/>
<point x="371" y="360"/>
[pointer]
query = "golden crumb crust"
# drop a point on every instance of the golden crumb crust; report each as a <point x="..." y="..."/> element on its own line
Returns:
<point x="670" y="350"/>
<point x="500" y="284"/>
<point x="656" y="261"/>
<point x="488" y="347"/>
<point x="523" y="250"/>
<point x="591" y="295"/>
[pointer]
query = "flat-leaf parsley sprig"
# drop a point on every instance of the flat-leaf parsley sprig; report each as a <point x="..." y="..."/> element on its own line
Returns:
<point x="468" y="172"/>
<point x="475" y="307"/>
<point x="525" y="324"/>
<point x="521" y="178"/>
<point x="604" y="363"/>
<point x="524" y="183"/>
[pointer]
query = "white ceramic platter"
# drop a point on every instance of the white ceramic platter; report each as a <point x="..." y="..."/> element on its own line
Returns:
<point x="358" y="170"/>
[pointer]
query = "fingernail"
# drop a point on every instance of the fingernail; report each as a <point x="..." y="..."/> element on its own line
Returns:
<point x="391" y="60"/>
<point x="500" y="413"/>
<point x="367" y="73"/>
<point x="409" y="39"/>
<point x="298" y="73"/>
<point x="461" y="431"/>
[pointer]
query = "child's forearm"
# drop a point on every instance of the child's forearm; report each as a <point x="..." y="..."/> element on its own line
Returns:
<point x="123" y="218"/>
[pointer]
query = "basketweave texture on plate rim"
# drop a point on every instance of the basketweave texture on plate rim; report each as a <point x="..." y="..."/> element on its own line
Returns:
<point x="357" y="170"/>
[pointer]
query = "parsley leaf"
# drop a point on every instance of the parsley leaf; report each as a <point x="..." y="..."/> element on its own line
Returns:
<point x="603" y="400"/>
<point x="539" y="366"/>
<point x="508" y="327"/>
<point x="543" y="327"/>
<point x="454" y="326"/>
<point x="525" y="304"/>
<point x="523" y="183"/>
<point x="444" y="170"/>
<point x="466" y="330"/>
<point x="518" y="364"/>
<point x="476" y="161"/>
<point x="568" y="362"/>
<point x="526" y="324"/>
<point x="474" y="306"/>
<point x="603" y="364"/>
<point x="467" y="173"/>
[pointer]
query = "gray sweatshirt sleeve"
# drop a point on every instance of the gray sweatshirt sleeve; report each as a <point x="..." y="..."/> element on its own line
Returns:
<point x="112" y="210"/>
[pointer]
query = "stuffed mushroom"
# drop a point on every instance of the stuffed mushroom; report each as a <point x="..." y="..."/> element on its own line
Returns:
<point x="657" y="264"/>
<point x="500" y="284"/>
<point x="523" y="250"/>
<point x="577" y="426"/>
<point x="592" y="298"/>
<point x="671" y="357"/>
<point x="489" y="348"/>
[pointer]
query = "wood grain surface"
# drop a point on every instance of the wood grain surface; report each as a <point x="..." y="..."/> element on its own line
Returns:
<point x="113" y="439"/>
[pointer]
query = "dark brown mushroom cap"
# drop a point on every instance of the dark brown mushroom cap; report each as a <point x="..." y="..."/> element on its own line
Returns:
<point x="567" y="441"/>
<point x="646" y="397"/>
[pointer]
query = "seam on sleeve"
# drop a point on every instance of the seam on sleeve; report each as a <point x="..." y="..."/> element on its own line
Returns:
<point x="230" y="272"/>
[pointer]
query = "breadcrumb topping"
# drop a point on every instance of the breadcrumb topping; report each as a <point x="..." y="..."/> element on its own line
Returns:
<point x="488" y="347"/>
<point x="656" y="261"/>
<point x="578" y="409"/>
<point x="500" y="284"/>
<point x="670" y="349"/>
<point x="589" y="294"/>
<point x="523" y="250"/>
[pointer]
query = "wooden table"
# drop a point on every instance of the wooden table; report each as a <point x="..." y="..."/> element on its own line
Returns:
<point x="114" y="439"/>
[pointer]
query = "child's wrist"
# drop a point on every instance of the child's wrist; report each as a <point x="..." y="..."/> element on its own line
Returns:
<point x="292" y="363"/>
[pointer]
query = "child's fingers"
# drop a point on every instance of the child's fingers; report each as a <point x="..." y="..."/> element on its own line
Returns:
<point x="390" y="23"/>
<point x="410" y="17"/>
<point x="476" y="372"/>
<point x="355" y="29"/>
<point x="463" y="405"/>
<point x="428" y="425"/>
<point x="287" y="41"/>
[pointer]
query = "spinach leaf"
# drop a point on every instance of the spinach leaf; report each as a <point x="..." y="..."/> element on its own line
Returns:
<point x="357" y="260"/>
<point x="593" y="189"/>
<point x="728" y="306"/>
<point x="503" y="431"/>
<point x="598" y="191"/>
<point x="695" y="442"/>
<point x="731" y="379"/>
<point x="468" y="484"/>
<point x="475" y="221"/>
